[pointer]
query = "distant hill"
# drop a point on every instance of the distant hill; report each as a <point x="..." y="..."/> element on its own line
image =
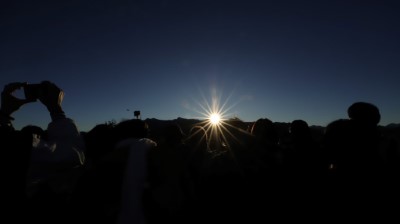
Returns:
<point x="393" y="125"/>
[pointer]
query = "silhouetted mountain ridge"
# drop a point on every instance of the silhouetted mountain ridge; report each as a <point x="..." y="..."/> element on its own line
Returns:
<point x="392" y="125"/>
<point x="157" y="126"/>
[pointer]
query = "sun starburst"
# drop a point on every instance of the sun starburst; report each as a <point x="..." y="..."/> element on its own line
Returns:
<point x="215" y="116"/>
<point x="215" y="119"/>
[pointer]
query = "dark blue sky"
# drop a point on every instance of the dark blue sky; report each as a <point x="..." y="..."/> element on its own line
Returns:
<point x="282" y="60"/>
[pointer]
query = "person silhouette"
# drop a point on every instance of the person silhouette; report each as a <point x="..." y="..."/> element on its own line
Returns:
<point x="15" y="156"/>
<point x="38" y="171"/>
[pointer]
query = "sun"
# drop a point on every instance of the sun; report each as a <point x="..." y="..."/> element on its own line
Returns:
<point x="215" y="119"/>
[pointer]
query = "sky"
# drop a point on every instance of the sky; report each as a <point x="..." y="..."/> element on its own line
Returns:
<point x="282" y="60"/>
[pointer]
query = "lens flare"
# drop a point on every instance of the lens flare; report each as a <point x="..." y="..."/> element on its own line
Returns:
<point x="215" y="119"/>
<point x="215" y="116"/>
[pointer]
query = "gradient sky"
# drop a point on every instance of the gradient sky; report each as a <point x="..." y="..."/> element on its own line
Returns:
<point x="281" y="60"/>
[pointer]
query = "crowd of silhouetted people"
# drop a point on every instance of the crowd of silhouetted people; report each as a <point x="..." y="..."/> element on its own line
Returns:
<point x="122" y="173"/>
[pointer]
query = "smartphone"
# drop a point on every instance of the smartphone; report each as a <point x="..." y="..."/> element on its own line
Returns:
<point x="32" y="91"/>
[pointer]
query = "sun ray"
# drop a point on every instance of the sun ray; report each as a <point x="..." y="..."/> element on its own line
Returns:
<point x="214" y="112"/>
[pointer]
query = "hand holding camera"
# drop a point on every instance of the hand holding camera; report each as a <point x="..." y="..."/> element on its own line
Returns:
<point x="47" y="92"/>
<point x="10" y="103"/>
<point x="51" y="96"/>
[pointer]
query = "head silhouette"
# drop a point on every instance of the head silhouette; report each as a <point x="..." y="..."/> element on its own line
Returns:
<point x="364" y="113"/>
<point x="173" y="134"/>
<point x="265" y="129"/>
<point x="299" y="127"/>
<point x="133" y="128"/>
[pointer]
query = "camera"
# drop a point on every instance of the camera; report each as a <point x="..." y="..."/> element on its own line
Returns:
<point x="33" y="91"/>
<point x="136" y="113"/>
